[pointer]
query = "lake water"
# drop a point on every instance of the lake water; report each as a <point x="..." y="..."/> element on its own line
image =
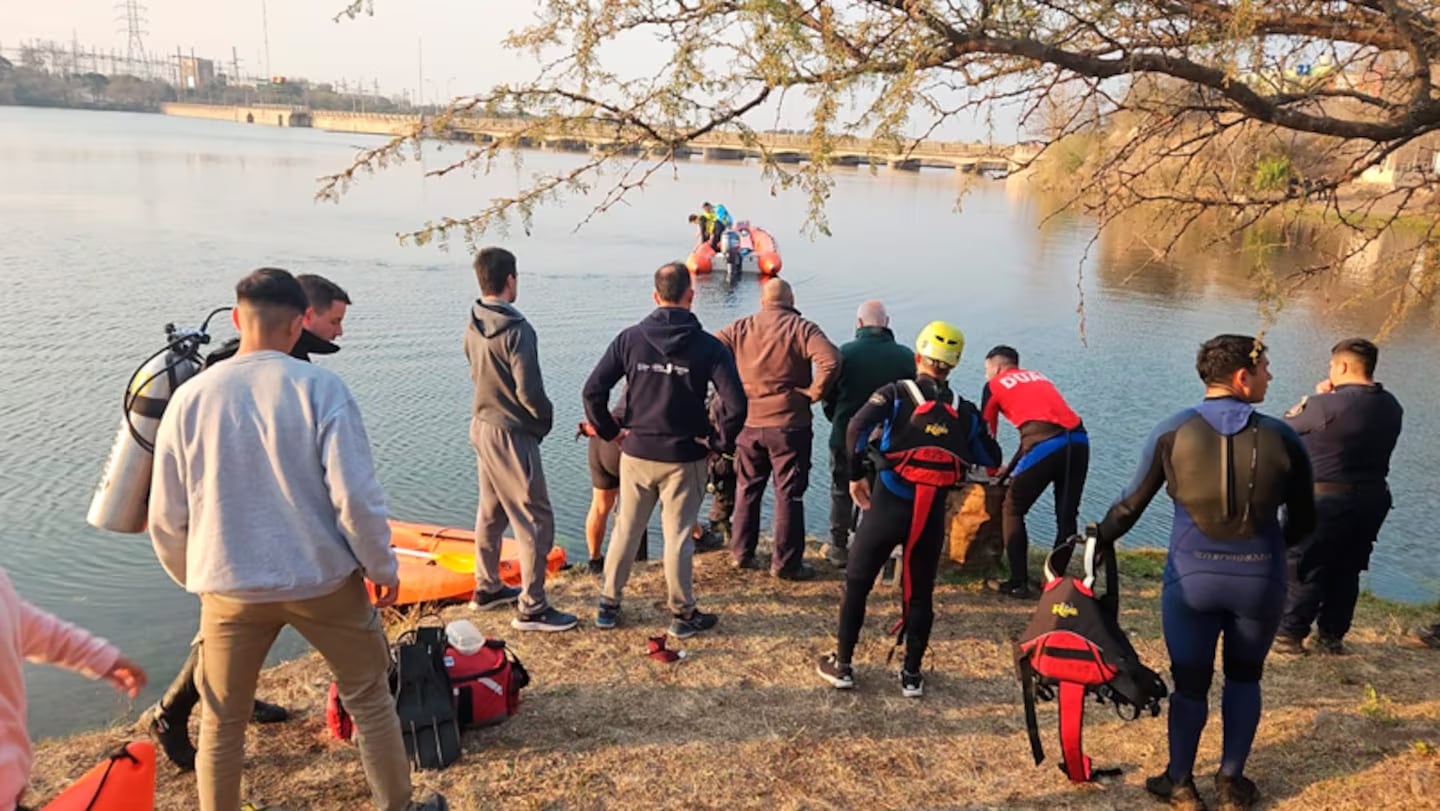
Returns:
<point x="113" y="224"/>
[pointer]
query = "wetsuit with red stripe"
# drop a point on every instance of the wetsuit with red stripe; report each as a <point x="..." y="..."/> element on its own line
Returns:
<point x="924" y="447"/>
<point x="1054" y="451"/>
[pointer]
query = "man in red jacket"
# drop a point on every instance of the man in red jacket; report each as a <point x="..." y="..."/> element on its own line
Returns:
<point x="1054" y="450"/>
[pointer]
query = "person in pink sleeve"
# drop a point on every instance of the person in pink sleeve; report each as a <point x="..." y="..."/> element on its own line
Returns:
<point x="27" y="633"/>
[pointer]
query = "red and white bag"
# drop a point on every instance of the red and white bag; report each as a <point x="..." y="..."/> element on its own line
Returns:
<point x="486" y="684"/>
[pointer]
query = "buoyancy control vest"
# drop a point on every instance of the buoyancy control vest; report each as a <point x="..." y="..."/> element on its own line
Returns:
<point x="924" y="447"/>
<point x="1074" y="647"/>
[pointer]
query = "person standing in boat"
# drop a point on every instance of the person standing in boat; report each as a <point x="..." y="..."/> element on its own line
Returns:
<point x="511" y="415"/>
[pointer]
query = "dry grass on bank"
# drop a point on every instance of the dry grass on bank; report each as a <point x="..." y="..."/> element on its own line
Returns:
<point x="743" y="722"/>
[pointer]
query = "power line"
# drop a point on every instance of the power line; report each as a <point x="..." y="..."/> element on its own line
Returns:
<point x="134" y="18"/>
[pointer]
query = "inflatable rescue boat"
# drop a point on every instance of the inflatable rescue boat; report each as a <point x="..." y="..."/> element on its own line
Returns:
<point x="743" y="249"/>
<point x="438" y="563"/>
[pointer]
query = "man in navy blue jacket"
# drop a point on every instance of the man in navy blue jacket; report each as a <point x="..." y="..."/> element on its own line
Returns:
<point x="668" y="362"/>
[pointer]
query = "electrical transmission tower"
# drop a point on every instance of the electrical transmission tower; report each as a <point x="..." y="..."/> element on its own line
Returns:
<point x="133" y="15"/>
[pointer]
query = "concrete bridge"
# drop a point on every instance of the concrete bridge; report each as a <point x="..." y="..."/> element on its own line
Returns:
<point x="784" y="148"/>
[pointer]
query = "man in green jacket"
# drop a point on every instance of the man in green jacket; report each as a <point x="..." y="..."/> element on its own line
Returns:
<point x="866" y="363"/>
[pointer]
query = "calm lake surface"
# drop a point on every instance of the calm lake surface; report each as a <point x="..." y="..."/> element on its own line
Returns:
<point x="113" y="224"/>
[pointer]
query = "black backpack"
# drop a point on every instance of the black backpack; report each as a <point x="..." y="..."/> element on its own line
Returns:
<point x="421" y="687"/>
<point x="1074" y="646"/>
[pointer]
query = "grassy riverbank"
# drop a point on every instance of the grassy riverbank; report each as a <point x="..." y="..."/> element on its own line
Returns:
<point x="743" y="722"/>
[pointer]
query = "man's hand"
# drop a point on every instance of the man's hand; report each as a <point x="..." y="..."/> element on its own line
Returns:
<point x="385" y="596"/>
<point x="127" y="677"/>
<point x="860" y="493"/>
<point x="1324" y="387"/>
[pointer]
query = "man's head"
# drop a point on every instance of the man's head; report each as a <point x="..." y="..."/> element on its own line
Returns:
<point x="495" y="269"/>
<point x="1236" y="365"/>
<point x="709" y="209"/>
<point x="999" y="359"/>
<point x="1353" y="360"/>
<point x="269" y="310"/>
<point x="328" y="304"/>
<point x="872" y="314"/>
<point x="777" y="292"/>
<point x="694" y="218"/>
<point x="938" y="348"/>
<point x="673" y="286"/>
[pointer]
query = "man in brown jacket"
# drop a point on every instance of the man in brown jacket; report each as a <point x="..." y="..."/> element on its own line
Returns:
<point x="774" y="350"/>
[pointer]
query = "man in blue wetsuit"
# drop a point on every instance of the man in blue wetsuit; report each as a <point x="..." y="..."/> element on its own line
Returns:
<point x="1350" y="427"/>
<point x="1229" y="470"/>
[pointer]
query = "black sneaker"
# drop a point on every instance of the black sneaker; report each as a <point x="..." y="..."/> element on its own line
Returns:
<point x="1236" y="793"/>
<point x="837" y="555"/>
<point x="709" y="541"/>
<point x="841" y="677"/>
<point x="596" y="566"/>
<point x="1329" y="645"/>
<point x="1019" y="591"/>
<point x="747" y="562"/>
<point x="1425" y="636"/>
<point x="804" y="571"/>
<point x="505" y="595"/>
<point x="1287" y="645"/>
<point x="912" y="685"/>
<point x="607" y="616"/>
<point x="174" y="739"/>
<point x="547" y="620"/>
<point x="697" y="622"/>
<point x="1182" y="796"/>
<point x="434" y="802"/>
<point x="267" y="713"/>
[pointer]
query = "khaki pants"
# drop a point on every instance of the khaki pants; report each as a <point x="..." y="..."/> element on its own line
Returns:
<point x="345" y="628"/>
<point x="679" y="487"/>
<point x="513" y="492"/>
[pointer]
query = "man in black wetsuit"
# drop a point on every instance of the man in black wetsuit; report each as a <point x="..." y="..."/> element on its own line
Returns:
<point x="1229" y="470"/>
<point x="923" y="451"/>
<point x="168" y="720"/>
<point x="1350" y="427"/>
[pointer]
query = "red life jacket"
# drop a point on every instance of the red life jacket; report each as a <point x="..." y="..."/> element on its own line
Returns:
<point x="1075" y="646"/>
<point x="924" y="446"/>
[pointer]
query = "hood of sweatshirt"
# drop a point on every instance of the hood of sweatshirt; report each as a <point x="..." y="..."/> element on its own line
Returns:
<point x="1226" y="415"/>
<point x="670" y="330"/>
<point x="491" y="317"/>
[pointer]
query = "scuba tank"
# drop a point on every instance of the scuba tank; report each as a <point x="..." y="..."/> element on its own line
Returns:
<point x="121" y="501"/>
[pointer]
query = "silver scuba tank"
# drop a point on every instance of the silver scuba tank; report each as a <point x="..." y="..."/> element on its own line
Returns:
<point x="121" y="502"/>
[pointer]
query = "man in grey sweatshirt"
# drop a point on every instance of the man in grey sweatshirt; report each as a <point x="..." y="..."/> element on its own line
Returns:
<point x="264" y="502"/>
<point x="511" y="416"/>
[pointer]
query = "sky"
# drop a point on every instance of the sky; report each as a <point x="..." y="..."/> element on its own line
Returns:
<point x="454" y="44"/>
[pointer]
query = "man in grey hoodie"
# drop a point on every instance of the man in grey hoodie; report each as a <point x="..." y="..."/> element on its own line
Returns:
<point x="512" y="415"/>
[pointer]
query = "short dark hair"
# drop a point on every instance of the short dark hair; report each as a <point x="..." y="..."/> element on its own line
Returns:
<point x="1005" y="353"/>
<point x="321" y="292"/>
<point x="1222" y="356"/>
<point x="1367" y="352"/>
<point x="492" y="267"/>
<point x="672" y="282"/>
<point x="272" y="288"/>
<point x="694" y="217"/>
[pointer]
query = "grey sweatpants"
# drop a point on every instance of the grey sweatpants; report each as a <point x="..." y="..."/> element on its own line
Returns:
<point x="679" y="487"/>
<point x="513" y="492"/>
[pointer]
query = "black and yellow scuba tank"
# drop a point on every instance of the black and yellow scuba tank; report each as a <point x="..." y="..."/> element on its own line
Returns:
<point x="1074" y="647"/>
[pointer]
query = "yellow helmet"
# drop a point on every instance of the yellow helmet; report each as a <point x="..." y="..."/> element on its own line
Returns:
<point x="940" y="342"/>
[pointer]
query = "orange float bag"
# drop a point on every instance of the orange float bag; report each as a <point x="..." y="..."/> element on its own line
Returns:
<point x="124" y="782"/>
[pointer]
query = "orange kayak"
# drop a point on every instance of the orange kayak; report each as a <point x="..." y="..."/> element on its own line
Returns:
<point x="436" y="563"/>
